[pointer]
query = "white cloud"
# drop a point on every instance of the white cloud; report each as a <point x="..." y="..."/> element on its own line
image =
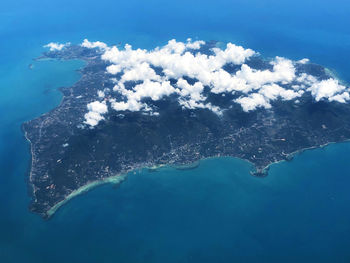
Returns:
<point x="306" y="79"/>
<point x="114" y="69"/>
<point x="303" y="61"/>
<point x="56" y="46"/>
<point x="94" y="116"/>
<point x="253" y="101"/>
<point x="222" y="82"/>
<point x="131" y="105"/>
<point x="342" y="98"/>
<point x="176" y="62"/>
<point x="326" y="89"/>
<point x="283" y="71"/>
<point x="175" y="47"/>
<point x="266" y="94"/>
<point x="99" y="107"/>
<point x="191" y="96"/>
<point x="193" y="104"/>
<point x="98" y="44"/>
<point x="152" y="71"/>
<point x="233" y="54"/>
<point x="274" y="91"/>
<point x="148" y="89"/>
<point x="193" y="91"/>
<point x="100" y="94"/>
<point x="151" y="89"/>
<point x="194" y="45"/>
<point x="141" y="71"/>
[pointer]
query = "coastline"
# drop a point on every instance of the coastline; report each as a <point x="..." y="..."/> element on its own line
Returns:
<point x="334" y="74"/>
<point x="31" y="186"/>
<point x="290" y="157"/>
<point x="31" y="163"/>
<point x="117" y="179"/>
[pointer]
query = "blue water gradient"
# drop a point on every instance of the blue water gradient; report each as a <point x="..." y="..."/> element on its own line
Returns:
<point x="215" y="213"/>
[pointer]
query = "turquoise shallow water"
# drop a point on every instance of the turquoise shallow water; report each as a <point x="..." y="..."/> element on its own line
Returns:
<point x="215" y="213"/>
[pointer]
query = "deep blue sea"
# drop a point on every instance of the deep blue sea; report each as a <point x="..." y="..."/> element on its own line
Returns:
<point x="214" y="213"/>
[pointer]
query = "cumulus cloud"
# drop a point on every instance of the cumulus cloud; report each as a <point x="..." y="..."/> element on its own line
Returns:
<point x="98" y="44"/>
<point x="253" y="101"/>
<point x="303" y="61"/>
<point x="95" y="111"/>
<point x="100" y="94"/>
<point x="327" y="89"/>
<point x="151" y="89"/>
<point x="232" y="54"/>
<point x="265" y="95"/>
<point x="131" y="105"/>
<point x="193" y="91"/>
<point x="342" y="98"/>
<point x="147" y="89"/>
<point x="274" y="91"/>
<point x="176" y="62"/>
<point x="141" y="71"/>
<point x="56" y="46"/>
<point x="305" y="79"/>
<point x="153" y="71"/>
<point x="114" y="69"/>
<point x="283" y="71"/>
<point x="194" y="45"/>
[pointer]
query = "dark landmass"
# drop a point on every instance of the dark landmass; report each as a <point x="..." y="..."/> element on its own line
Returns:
<point x="123" y="142"/>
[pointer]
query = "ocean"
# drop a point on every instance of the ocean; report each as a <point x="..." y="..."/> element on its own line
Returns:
<point x="214" y="213"/>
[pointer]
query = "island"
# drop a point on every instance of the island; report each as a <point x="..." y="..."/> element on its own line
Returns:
<point x="210" y="102"/>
